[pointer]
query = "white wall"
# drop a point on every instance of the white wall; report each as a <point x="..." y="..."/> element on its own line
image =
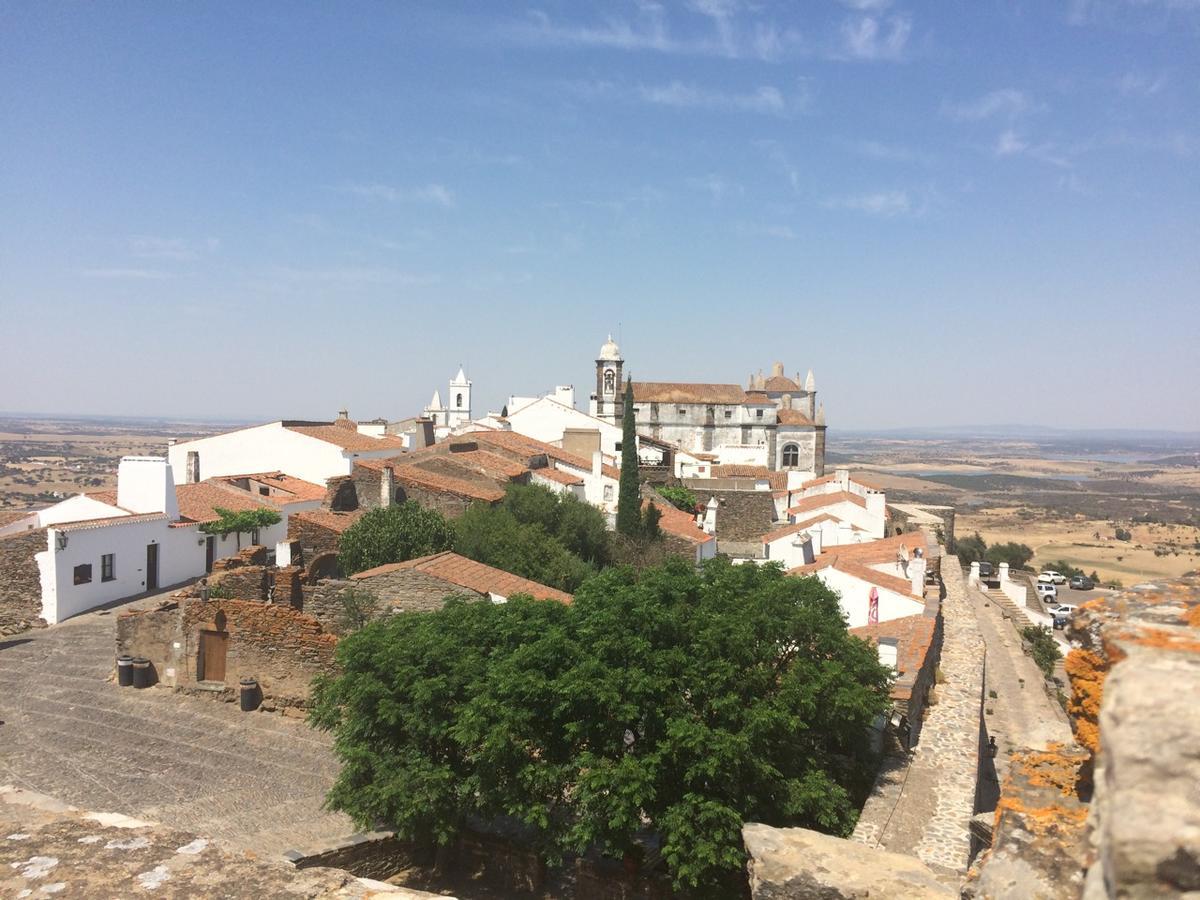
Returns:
<point x="181" y="557"/>
<point x="76" y="509"/>
<point x="145" y="485"/>
<point x="855" y="594"/>
<point x="792" y="550"/>
<point x="546" y="419"/>
<point x="266" y="448"/>
<point x="850" y="512"/>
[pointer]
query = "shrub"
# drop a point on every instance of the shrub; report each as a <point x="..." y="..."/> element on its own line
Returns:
<point x="393" y="534"/>
<point x="1042" y="647"/>
<point x="679" y="497"/>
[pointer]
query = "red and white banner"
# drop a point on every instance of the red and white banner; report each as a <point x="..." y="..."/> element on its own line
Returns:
<point x="873" y="607"/>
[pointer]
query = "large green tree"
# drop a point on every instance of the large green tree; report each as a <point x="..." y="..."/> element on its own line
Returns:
<point x="392" y="534"/>
<point x="574" y="523"/>
<point x="493" y="535"/>
<point x="674" y="701"/>
<point x="629" y="502"/>
<point x="246" y="521"/>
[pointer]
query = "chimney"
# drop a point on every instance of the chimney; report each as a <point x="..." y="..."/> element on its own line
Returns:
<point x="145" y="484"/>
<point x="777" y="370"/>
<point x="843" y="479"/>
<point x="193" y="467"/>
<point x="818" y="540"/>
<point x="343" y="420"/>
<point x="387" y="486"/>
<point x="877" y="510"/>
<point x="597" y="463"/>
<point x="710" y="516"/>
<point x="565" y="394"/>
<point x="916" y="571"/>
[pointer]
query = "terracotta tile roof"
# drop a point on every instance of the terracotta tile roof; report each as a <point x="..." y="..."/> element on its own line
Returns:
<point x="199" y="502"/>
<point x="297" y="488"/>
<point x="557" y="475"/>
<point x="885" y="549"/>
<point x="808" y="504"/>
<point x="913" y="636"/>
<point x="678" y="523"/>
<point x="446" y="484"/>
<point x="464" y="572"/>
<point x="793" y="417"/>
<point x="108" y="496"/>
<point x="112" y="520"/>
<point x="326" y="518"/>
<point x="519" y="443"/>
<point x="683" y="392"/>
<point x="834" y="560"/>
<point x="8" y="516"/>
<point x="798" y="527"/>
<point x="817" y="482"/>
<point x="782" y="383"/>
<point x="777" y="480"/>
<point x="346" y="438"/>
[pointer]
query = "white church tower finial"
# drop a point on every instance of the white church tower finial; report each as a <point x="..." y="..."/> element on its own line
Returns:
<point x="607" y="401"/>
<point x="459" y="405"/>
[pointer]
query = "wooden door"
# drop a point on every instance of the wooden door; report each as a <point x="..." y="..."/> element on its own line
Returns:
<point x="210" y="550"/>
<point x="152" y="567"/>
<point x="213" y="645"/>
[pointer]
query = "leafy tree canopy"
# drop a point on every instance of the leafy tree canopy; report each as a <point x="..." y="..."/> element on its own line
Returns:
<point x="971" y="549"/>
<point x="391" y="534"/>
<point x="1016" y="555"/>
<point x="679" y="496"/>
<point x="495" y="536"/>
<point x="244" y="521"/>
<point x="577" y="525"/>
<point x="690" y="700"/>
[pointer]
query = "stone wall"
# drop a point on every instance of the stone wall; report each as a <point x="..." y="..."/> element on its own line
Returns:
<point x="282" y="648"/>
<point x="314" y="537"/>
<point x="449" y="505"/>
<point x="20" y="582"/>
<point x="742" y="515"/>
<point x="401" y="591"/>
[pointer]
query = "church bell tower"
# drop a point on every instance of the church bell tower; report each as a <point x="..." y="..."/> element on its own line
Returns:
<point x="608" y="401"/>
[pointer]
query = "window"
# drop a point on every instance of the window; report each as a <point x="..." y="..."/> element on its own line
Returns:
<point x="108" y="567"/>
<point x="682" y="413"/>
<point x="729" y="413"/>
<point x="618" y="446"/>
<point x="791" y="455"/>
<point x="254" y="536"/>
<point x="758" y="413"/>
<point x="608" y="492"/>
<point x="83" y="573"/>
<point x="458" y="401"/>
<point x="265" y="492"/>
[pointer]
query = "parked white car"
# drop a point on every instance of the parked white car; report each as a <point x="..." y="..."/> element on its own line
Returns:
<point x="1052" y="577"/>
<point x="1062" y="609"/>
<point x="1046" y="590"/>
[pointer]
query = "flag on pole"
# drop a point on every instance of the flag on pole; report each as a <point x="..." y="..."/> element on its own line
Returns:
<point x="873" y="607"/>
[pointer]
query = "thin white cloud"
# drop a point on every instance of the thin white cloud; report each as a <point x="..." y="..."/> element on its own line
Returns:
<point x="1009" y="144"/>
<point x="437" y="194"/>
<point x="874" y="38"/>
<point x="716" y="186"/>
<point x="731" y="33"/>
<point x="1139" y="84"/>
<point x="178" y="249"/>
<point x="127" y="274"/>
<point x="882" y="204"/>
<point x="766" y="99"/>
<point x="1006" y="103"/>
<point x="887" y="152"/>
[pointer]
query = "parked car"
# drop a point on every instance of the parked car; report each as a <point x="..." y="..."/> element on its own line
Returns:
<point x="1063" y="609"/>
<point x="986" y="570"/>
<point x="1082" y="583"/>
<point x="1060" y="621"/>
<point x="1052" y="577"/>
<point x="1046" y="590"/>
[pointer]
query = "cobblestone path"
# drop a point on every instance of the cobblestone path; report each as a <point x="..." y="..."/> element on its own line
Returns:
<point x="924" y="808"/>
<point x="254" y="781"/>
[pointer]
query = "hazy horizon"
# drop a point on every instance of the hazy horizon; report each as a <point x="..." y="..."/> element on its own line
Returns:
<point x="954" y="216"/>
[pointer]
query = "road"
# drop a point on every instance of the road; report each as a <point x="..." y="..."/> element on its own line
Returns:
<point x="254" y="781"/>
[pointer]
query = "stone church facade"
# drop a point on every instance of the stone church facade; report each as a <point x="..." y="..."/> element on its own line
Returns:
<point x="775" y="421"/>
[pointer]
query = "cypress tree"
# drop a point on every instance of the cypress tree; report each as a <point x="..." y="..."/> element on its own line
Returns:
<point x="629" y="503"/>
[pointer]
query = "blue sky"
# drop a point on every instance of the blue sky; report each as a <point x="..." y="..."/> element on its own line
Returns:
<point x="954" y="213"/>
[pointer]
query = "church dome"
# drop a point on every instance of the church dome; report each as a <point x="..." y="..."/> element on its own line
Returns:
<point x="610" y="350"/>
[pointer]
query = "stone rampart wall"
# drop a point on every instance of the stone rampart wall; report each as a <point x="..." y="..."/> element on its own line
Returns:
<point x="20" y="582"/>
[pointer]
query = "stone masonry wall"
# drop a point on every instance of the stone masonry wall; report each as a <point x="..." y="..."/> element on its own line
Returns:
<point x="400" y="591"/>
<point x="20" y="582"/>
<point x="282" y="648"/>
<point x="449" y="505"/>
<point x="742" y="515"/>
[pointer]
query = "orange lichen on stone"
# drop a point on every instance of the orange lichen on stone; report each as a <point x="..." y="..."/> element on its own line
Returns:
<point x="1056" y="767"/>
<point x="1087" y="671"/>
<point x="1193" y="616"/>
<point x="1043" y="821"/>
<point x="1160" y="639"/>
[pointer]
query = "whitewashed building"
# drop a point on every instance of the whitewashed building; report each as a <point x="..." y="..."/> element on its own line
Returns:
<point x="456" y="411"/>
<point x="145" y="536"/>
<point x="311" y="451"/>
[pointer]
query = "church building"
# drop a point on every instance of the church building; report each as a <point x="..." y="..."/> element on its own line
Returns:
<point x="457" y="409"/>
<point x="775" y="421"/>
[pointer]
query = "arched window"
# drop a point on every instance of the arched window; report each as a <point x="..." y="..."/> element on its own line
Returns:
<point x="791" y="455"/>
<point x="458" y="401"/>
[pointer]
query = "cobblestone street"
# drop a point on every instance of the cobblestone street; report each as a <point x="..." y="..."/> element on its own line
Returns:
<point x="255" y="781"/>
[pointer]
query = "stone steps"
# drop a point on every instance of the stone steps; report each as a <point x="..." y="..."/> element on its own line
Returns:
<point x="1013" y="612"/>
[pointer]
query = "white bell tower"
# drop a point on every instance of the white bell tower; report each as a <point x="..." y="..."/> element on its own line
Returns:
<point x="458" y="404"/>
<point x="608" y="400"/>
